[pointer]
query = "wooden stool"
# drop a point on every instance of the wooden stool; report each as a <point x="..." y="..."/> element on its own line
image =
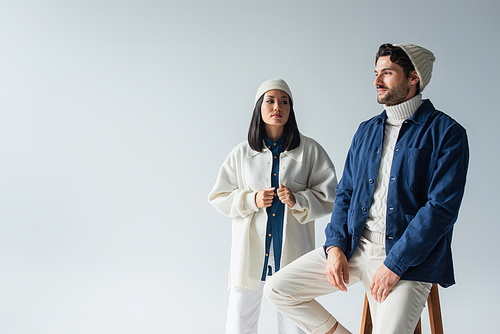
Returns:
<point x="434" y="315"/>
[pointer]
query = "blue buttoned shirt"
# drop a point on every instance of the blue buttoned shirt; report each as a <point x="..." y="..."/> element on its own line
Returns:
<point x="427" y="183"/>
<point x="275" y="213"/>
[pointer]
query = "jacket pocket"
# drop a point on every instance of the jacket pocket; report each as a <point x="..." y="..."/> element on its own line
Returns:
<point x="296" y="187"/>
<point x="417" y="171"/>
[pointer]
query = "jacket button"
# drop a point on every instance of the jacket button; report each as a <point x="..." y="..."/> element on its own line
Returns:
<point x="371" y="180"/>
<point x="363" y="208"/>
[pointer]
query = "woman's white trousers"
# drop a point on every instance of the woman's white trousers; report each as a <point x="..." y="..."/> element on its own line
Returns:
<point x="244" y="310"/>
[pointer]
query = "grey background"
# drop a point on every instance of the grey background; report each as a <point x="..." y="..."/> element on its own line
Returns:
<point x="115" y="117"/>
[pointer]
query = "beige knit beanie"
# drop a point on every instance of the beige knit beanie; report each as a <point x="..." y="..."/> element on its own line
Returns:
<point x="422" y="59"/>
<point x="270" y="85"/>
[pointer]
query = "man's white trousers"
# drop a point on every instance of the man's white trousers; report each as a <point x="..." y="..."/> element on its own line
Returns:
<point x="294" y="288"/>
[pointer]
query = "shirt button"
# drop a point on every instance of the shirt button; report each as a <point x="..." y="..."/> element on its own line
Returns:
<point x="393" y="178"/>
<point x="371" y="180"/>
<point x="363" y="208"/>
<point x="378" y="152"/>
<point x="397" y="150"/>
<point x="391" y="208"/>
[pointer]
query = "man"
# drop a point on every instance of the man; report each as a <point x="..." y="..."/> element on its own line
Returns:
<point x="395" y="208"/>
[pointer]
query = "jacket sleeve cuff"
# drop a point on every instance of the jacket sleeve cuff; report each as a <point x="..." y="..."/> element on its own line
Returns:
<point x="395" y="266"/>
<point x="250" y="202"/>
<point x="300" y="203"/>
<point x="341" y="243"/>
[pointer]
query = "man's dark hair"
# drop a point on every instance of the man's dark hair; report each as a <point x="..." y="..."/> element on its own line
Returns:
<point x="257" y="130"/>
<point x="399" y="57"/>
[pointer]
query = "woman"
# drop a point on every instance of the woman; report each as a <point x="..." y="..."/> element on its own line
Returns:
<point x="274" y="185"/>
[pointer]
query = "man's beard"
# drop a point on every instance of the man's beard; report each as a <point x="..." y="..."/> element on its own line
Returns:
<point x="394" y="95"/>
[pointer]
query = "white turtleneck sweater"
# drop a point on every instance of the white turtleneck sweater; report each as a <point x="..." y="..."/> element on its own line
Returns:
<point x="396" y="115"/>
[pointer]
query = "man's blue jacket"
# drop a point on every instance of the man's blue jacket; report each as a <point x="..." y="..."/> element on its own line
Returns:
<point x="427" y="183"/>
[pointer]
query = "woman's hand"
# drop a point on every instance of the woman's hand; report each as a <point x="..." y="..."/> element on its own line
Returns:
<point x="264" y="198"/>
<point x="286" y="196"/>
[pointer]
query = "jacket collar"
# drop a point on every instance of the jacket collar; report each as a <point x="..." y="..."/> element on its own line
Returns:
<point x="296" y="154"/>
<point x="420" y="116"/>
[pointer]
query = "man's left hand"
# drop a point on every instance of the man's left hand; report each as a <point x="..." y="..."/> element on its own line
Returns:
<point x="382" y="283"/>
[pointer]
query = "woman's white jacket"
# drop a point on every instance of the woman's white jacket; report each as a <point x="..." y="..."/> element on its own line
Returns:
<point x="310" y="175"/>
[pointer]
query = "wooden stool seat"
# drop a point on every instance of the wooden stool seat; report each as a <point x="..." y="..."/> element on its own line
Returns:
<point x="434" y="315"/>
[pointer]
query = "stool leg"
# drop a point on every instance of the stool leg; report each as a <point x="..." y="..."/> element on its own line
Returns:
<point x="434" y="315"/>
<point x="367" y="325"/>
<point x="366" y="320"/>
<point x="418" y="329"/>
<point x="435" y="311"/>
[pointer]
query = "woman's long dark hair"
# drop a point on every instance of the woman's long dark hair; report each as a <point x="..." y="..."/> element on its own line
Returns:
<point x="257" y="130"/>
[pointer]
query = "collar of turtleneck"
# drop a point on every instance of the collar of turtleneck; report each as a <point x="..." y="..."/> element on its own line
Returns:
<point x="398" y="113"/>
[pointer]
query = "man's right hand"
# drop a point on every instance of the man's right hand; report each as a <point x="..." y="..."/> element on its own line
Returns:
<point x="337" y="268"/>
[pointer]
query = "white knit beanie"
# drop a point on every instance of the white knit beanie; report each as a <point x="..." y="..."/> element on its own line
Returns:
<point x="271" y="84"/>
<point x="422" y="59"/>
